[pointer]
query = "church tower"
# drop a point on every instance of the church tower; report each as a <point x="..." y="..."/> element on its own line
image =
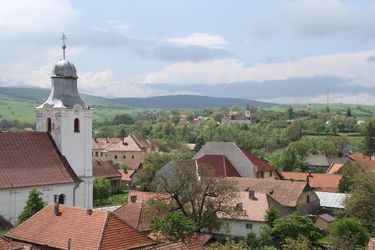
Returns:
<point x="69" y="121"/>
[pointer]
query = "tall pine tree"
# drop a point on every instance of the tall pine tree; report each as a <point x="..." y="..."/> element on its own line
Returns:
<point x="34" y="203"/>
<point x="369" y="133"/>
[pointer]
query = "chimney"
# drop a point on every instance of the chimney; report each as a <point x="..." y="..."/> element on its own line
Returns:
<point x="133" y="198"/>
<point x="308" y="177"/>
<point x="239" y="206"/>
<point x="89" y="211"/>
<point x="56" y="209"/>
<point x="69" y="244"/>
<point x="252" y="195"/>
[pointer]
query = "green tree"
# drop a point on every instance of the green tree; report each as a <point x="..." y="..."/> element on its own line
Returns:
<point x="122" y="119"/>
<point x="369" y="142"/>
<point x="174" y="226"/>
<point x="102" y="190"/>
<point x="199" y="144"/>
<point x="271" y="216"/>
<point x="198" y="196"/>
<point x="360" y="203"/>
<point x="252" y="241"/>
<point x="294" y="131"/>
<point x="288" y="159"/>
<point x="348" y="233"/>
<point x="290" y="113"/>
<point x="348" y="112"/>
<point x="295" y="226"/>
<point x="34" y="203"/>
<point x="300" y="243"/>
<point x="349" y="173"/>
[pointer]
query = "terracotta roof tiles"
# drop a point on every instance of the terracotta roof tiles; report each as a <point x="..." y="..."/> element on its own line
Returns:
<point x="104" y="169"/>
<point x="32" y="159"/>
<point x="98" y="230"/>
<point x="317" y="181"/>
<point x="219" y="164"/>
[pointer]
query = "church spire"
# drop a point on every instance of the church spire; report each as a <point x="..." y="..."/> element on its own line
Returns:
<point x="63" y="38"/>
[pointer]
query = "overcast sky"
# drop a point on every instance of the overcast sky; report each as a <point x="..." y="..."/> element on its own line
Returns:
<point x="284" y="51"/>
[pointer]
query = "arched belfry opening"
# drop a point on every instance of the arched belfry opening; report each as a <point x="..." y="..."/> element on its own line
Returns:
<point x="76" y="125"/>
<point x="49" y="125"/>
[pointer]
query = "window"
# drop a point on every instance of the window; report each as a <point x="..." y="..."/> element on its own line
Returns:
<point x="249" y="226"/>
<point x="124" y="157"/>
<point x="270" y="173"/>
<point x="132" y="156"/>
<point x="49" y="125"/>
<point x="96" y="153"/>
<point x="308" y="199"/>
<point x="115" y="156"/>
<point x="76" y="125"/>
<point x="62" y="199"/>
<point x="101" y="154"/>
<point x="261" y="174"/>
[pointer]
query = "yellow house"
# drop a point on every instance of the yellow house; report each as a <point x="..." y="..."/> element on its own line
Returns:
<point x="131" y="150"/>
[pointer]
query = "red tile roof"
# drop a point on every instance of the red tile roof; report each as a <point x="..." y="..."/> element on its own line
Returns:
<point x="104" y="169"/>
<point x="219" y="164"/>
<point x="260" y="164"/>
<point x="196" y="242"/>
<point x="285" y="192"/>
<point x="317" y="181"/>
<point x="32" y="159"/>
<point x="138" y="215"/>
<point x="363" y="160"/>
<point x="334" y="168"/>
<point x="126" y="175"/>
<point x="103" y="143"/>
<point x="135" y="165"/>
<point x="146" y="196"/>
<point x="98" y="230"/>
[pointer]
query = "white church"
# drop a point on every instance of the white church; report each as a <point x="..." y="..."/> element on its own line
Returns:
<point x="56" y="159"/>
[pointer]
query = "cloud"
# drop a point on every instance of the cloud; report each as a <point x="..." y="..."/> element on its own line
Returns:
<point x="198" y="39"/>
<point x="311" y="18"/>
<point x="371" y="59"/>
<point x="22" y="17"/>
<point x="351" y="66"/>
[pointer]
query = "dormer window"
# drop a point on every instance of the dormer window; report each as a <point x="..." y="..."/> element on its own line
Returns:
<point x="76" y="125"/>
<point x="49" y="125"/>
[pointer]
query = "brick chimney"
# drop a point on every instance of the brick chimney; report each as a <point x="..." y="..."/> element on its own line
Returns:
<point x="252" y="195"/>
<point x="308" y="177"/>
<point x="56" y="209"/>
<point x="133" y="198"/>
<point x="89" y="211"/>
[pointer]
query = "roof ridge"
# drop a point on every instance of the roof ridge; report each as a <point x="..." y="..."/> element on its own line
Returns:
<point x="103" y="229"/>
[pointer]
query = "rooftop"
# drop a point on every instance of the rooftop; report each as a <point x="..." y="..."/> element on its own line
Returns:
<point x="331" y="200"/>
<point x="104" y="169"/>
<point x="87" y="229"/>
<point x="317" y="181"/>
<point x="32" y="159"/>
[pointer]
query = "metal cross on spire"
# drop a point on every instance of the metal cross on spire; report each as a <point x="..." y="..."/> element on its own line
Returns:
<point x="63" y="38"/>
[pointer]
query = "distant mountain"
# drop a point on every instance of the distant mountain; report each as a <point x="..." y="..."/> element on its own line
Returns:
<point x="40" y="95"/>
<point x="171" y="101"/>
<point x="186" y="101"/>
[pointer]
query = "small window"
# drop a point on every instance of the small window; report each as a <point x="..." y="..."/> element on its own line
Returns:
<point x="76" y="125"/>
<point x="270" y="173"/>
<point x="132" y="156"/>
<point x="96" y="153"/>
<point x="261" y="174"/>
<point x="115" y="156"/>
<point x="101" y="154"/>
<point x="308" y="199"/>
<point x="62" y="199"/>
<point x="249" y="226"/>
<point x="49" y="125"/>
<point x="124" y="157"/>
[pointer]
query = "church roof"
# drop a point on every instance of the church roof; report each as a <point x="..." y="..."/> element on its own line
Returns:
<point x="64" y="68"/>
<point x="32" y="159"/>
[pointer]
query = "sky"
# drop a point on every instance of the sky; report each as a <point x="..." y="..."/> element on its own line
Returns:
<point x="284" y="51"/>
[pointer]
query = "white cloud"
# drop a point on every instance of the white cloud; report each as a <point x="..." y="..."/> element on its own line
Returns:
<point x="352" y="66"/>
<point x="316" y="18"/>
<point x="22" y="17"/>
<point x="198" y="39"/>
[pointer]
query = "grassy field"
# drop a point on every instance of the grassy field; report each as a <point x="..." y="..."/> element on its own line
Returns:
<point x="117" y="199"/>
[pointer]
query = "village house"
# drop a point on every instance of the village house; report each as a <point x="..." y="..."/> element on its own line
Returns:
<point x="228" y="156"/>
<point x="251" y="207"/>
<point x="294" y="195"/>
<point x="323" y="162"/>
<point x="317" y="181"/>
<point x="324" y="220"/>
<point x="235" y="117"/>
<point x="130" y="151"/>
<point x="65" y="227"/>
<point x="104" y="169"/>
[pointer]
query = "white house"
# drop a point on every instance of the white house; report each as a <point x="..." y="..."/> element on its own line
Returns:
<point x="57" y="159"/>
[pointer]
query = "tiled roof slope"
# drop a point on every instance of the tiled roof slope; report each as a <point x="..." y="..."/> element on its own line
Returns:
<point x="32" y="159"/>
<point x="131" y="143"/>
<point x="317" y="160"/>
<point x="98" y="230"/>
<point x="363" y="160"/>
<point x="104" y="169"/>
<point x="254" y="209"/>
<point x="260" y="164"/>
<point x="285" y="192"/>
<point x="221" y="166"/>
<point x="317" y="181"/>
<point x="196" y="242"/>
<point x="146" y="196"/>
<point x="138" y="215"/>
<point x="334" y="168"/>
<point x="103" y="143"/>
